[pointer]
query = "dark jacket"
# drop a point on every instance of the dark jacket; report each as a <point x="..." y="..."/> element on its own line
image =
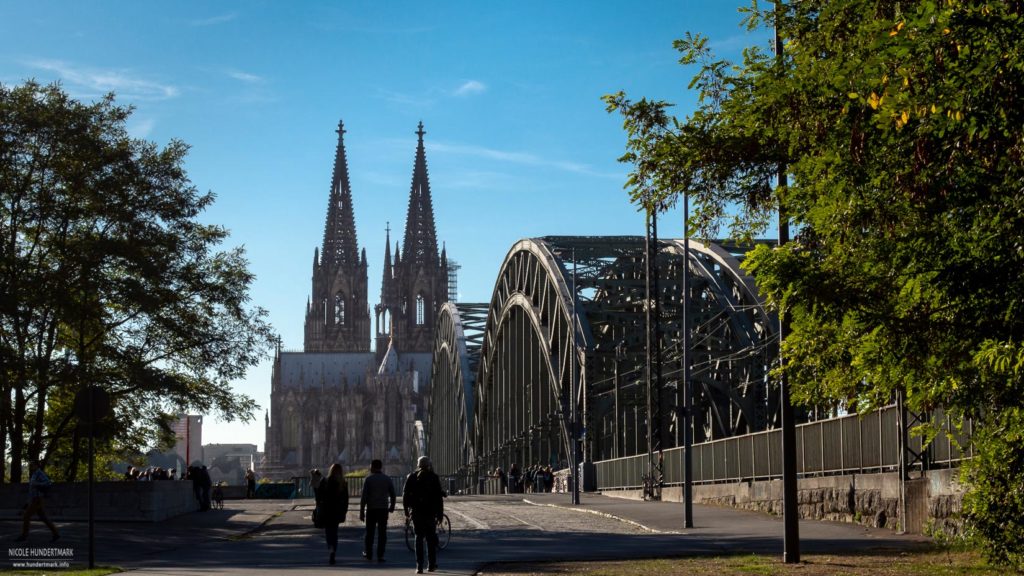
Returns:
<point x="378" y="493"/>
<point x="423" y="494"/>
<point x="333" y="501"/>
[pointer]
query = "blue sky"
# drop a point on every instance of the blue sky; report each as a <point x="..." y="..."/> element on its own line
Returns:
<point x="518" y="141"/>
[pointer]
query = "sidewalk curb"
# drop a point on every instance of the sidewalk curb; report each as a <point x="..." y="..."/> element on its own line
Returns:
<point x="604" y="514"/>
<point x="250" y="532"/>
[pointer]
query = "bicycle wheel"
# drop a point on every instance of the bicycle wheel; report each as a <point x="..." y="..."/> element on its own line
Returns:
<point x="444" y="532"/>
<point x="410" y="535"/>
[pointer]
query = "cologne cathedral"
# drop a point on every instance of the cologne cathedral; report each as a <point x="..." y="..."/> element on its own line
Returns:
<point x="338" y="401"/>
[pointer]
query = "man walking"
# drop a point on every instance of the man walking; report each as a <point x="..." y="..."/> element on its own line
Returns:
<point x="38" y="485"/>
<point x="377" y="502"/>
<point x="423" y="498"/>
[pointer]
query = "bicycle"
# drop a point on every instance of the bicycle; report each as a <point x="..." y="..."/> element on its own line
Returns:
<point x="444" y="533"/>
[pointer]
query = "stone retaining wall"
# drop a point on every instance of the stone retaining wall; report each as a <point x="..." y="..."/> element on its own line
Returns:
<point x="870" y="499"/>
<point x="113" y="501"/>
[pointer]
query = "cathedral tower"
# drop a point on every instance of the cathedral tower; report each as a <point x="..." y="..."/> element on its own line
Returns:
<point x="338" y="315"/>
<point x="415" y="283"/>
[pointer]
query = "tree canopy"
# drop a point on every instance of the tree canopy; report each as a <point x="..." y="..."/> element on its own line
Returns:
<point x="901" y="128"/>
<point x="110" y="279"/>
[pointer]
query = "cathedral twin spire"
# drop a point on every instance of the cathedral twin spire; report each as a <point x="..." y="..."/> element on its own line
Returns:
<point x="337" y="318"/>
<point x="420" y="235"/>
<point x="340" y="244"/>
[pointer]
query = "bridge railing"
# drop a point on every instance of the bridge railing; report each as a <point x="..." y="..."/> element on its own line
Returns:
<point x="844" y="445"/>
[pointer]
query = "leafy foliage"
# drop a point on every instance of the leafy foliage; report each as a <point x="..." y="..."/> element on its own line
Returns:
<point x="902" y="132"/>
<point x="109" y="278"/>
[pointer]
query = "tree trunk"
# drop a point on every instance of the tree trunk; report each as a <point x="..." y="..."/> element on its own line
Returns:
<point x="72" y="473"/>
<point x="17" y="434"/>
<point x="5" y="414"/>
<point x="35" y="447"/>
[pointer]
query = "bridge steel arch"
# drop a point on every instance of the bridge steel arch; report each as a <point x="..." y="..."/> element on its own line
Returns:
<point x="515" y="405"/>
<point x="450" y="404"/>
<point x="534" y="337"/>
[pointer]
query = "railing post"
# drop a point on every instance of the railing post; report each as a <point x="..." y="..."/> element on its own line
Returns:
<point x="901" y="413"/>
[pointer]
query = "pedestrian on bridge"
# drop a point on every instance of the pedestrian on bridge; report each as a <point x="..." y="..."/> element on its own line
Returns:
<point x="514" y="487"/>
<point x="423" y="499"/>
<point x="377" y="501"/>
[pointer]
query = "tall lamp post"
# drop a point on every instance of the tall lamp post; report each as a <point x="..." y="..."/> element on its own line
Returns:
<point x="573" y="396"/>
<point x="687" y="390"/>
<point x="573" y="360"/>
<point x="791" y="540"/>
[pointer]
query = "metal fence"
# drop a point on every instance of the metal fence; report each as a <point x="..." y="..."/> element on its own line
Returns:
<point x="846" y="445"/>
<point x="355" y="486"/>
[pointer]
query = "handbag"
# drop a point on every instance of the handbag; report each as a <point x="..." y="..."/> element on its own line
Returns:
<point x="318" y="517"/>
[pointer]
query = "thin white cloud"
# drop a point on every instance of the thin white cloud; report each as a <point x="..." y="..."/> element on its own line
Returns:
<point x="246" y="77"/>
<point x="98" y="81"/>
<point x="404" y="99"/>
<point x="214" y="20"/>
<point x="140" y="127"/>
<point x="470" y="88"/>
<point x="524" y="158"/>
<point x="432" y="95"/>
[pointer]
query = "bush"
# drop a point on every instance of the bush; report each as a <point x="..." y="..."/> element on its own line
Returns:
<point x="994" y="504"/>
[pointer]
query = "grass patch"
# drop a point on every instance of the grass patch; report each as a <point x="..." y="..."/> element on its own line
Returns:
<point x="73" y="571"/>
<point x="929" y="562"/>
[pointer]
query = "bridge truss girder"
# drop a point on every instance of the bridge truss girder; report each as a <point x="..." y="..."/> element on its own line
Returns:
<point x="450" y="405"/>
<point x="540" y="325"/>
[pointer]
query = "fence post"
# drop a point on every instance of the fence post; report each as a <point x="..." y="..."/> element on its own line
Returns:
<point x="821" y="445"/>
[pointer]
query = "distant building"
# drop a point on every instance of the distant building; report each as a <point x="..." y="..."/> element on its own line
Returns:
<point x="337" y="401"/>
<point x="229" y="462"/>
<point x="188" y="446"/>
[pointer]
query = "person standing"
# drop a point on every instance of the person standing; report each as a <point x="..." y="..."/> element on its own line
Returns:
<point x="513" y="479"/>
<point x="423" y="499"/>
<point x="334" y="502"/>
<point x="38" y="485"/>
<point x="502" y="481"/>
<point x="205" y="485"/>
<point x="377" y="501"/>
<point x="250" y="483"/>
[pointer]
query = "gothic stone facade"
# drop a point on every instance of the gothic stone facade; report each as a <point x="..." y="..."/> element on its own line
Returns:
<point x="337" y="401"/>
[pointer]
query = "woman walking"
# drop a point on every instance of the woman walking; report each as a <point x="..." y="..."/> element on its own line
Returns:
<point x="334" y="505"/>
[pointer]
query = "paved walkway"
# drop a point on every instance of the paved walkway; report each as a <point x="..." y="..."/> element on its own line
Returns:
<point x="274" y="536"/>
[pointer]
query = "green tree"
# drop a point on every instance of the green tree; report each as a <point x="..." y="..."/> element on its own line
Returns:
<point x="109" y="279"/>
<point x="901" y="128"/>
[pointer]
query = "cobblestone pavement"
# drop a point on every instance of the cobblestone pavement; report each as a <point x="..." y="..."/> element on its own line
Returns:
<point x="513" y="516"/>
<point x="273" y="537"/>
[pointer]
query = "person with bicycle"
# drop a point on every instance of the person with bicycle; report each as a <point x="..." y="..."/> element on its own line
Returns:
<point x="377" y="501"/>
<point x="423" y="500"/>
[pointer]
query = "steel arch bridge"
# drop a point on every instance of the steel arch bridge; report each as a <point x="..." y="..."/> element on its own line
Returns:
<point x="566" y="330"/>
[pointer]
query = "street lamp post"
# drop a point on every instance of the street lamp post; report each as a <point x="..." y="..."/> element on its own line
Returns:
<point x="791" y="540"/>
<point x="687" y="390"/>
<point x="576" y="472"/>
